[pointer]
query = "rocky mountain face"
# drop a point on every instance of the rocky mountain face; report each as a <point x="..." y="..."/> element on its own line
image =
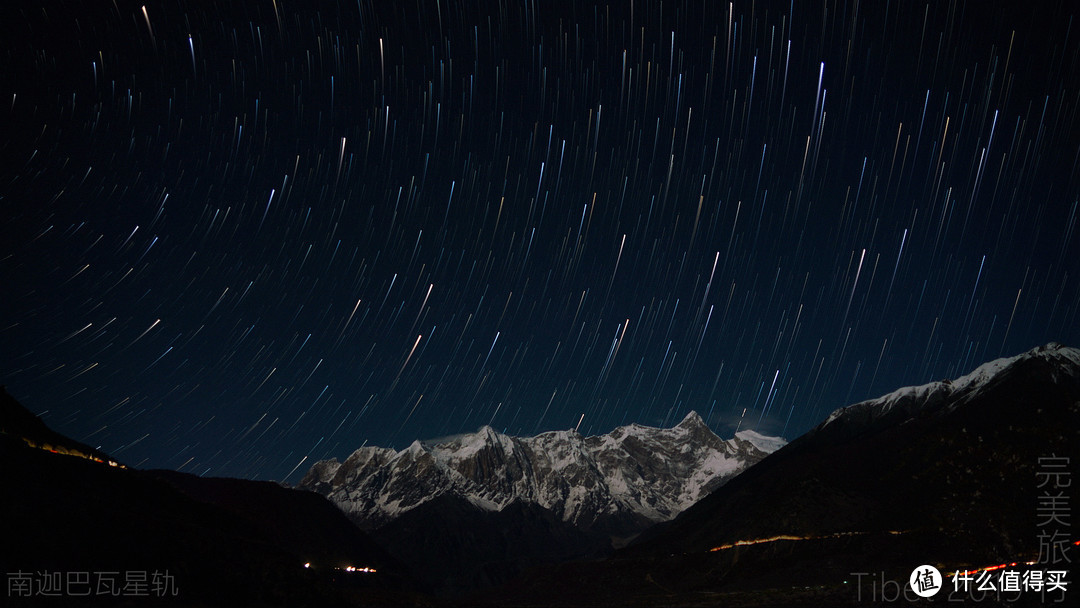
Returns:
<point x="474" y="510"/>
<point x="618" y="482"/>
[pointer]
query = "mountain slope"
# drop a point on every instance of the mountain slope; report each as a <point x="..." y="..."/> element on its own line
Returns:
<point x="225" y="541"/>
<point x="454" y="547"/>
<point x="950" y="455"/>
<point x="941" y="474"/>
<point x="20" y="423"/>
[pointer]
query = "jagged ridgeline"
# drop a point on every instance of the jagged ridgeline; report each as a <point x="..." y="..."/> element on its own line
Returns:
<point x="505" y="502"/>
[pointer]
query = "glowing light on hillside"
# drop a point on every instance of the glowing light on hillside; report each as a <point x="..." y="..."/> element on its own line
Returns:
<point x="779" y="537"/>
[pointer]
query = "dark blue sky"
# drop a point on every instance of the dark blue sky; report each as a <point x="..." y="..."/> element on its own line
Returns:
<point x="241" y="234"/>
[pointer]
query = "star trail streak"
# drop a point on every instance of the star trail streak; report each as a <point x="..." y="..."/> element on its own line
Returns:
<point x="243" y="236"/>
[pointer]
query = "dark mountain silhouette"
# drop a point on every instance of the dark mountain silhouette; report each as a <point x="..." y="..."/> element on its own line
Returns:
<point x="224" y="541"/>
<point x="18" y="422"/>
<point x="456" y="547"/>
<point x="942" y="474"/>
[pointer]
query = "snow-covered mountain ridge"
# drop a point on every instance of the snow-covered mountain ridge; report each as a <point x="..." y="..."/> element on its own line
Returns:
<point x="912" y="399"/>
<point x="636" y="475"/>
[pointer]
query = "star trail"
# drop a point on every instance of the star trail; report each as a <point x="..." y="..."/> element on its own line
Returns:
<point x="239" y="237"/>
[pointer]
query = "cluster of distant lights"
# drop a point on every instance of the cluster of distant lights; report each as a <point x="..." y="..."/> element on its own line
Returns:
<point x="349" y="569"/>
<point x="780" y="537"/>
<point x="64" y="451"/>
<point x="990" y="568"/>
<point x="999" y="566"/>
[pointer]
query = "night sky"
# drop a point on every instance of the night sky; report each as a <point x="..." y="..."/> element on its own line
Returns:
<point x="239" y="237"/>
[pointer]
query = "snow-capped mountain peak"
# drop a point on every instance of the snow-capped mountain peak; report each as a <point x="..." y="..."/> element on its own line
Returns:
<point x="693" y="419"/>
<point x="634" y="473"/>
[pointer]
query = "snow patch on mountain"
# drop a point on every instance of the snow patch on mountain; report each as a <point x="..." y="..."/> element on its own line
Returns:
<point x="762" y="442"/>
